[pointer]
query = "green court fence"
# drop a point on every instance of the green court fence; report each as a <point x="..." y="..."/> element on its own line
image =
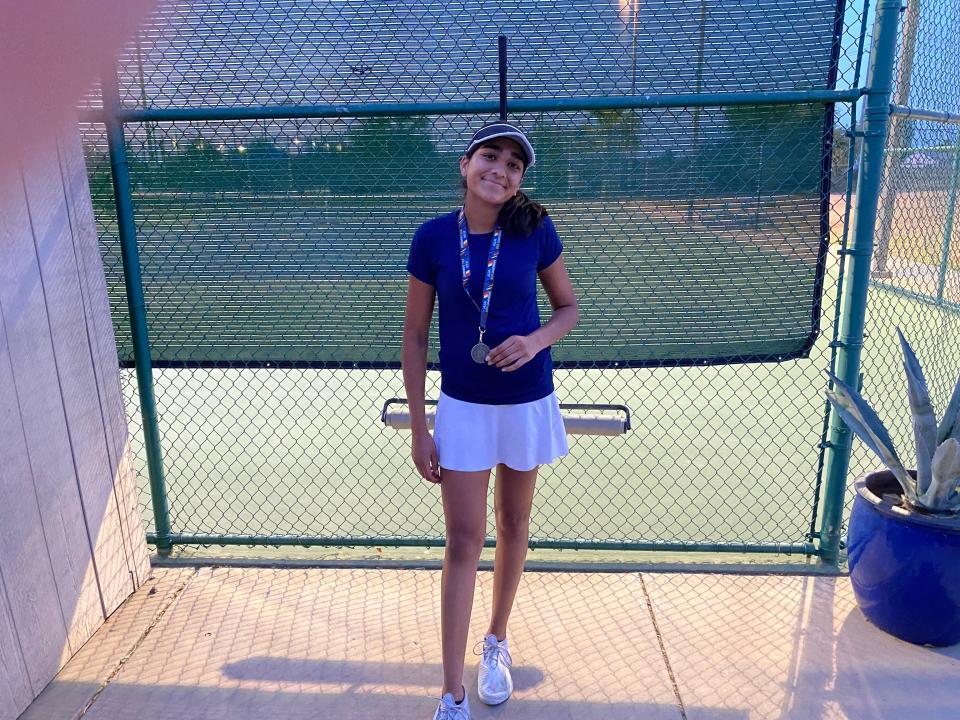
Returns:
<point x="716" y="169"/>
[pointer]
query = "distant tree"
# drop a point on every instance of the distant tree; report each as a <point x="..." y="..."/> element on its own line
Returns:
<point x="393" y="154"/>
<point x="667" y="175"/>
<point x="194" y="166"/>
<point x="389" y="137"/>
<point x="261" y="165"/>
<point x="612" y="147"/>
<point x="842" y="147"/>
<point x="99" y="177"/>
<point x="550" y="177"/>
<point x="613" y="120"/>
<point x="772" y="149"/>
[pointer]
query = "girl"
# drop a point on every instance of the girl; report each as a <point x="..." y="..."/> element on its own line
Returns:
<point x="497" y="406"/>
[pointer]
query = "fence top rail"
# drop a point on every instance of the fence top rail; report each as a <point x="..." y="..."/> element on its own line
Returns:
<point x="913" y="113"/>
<point x="671" y="100"/>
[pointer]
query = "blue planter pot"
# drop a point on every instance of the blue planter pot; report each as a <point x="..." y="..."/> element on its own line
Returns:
<point x="904" y="566"/>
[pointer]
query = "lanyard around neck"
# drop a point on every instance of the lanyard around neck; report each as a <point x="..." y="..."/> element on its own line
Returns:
<point x="484" y="307"/>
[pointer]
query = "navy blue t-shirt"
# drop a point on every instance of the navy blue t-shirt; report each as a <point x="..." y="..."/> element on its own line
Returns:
<point x="435" y="260"/>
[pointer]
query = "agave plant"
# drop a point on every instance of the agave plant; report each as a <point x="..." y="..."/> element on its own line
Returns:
<point x="937" y="487"/>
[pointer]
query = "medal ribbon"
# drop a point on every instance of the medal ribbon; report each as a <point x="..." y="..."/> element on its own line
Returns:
<point x="484" y="307"/>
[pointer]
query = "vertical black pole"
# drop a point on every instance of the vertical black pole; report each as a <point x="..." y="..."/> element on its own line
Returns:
<point x="502" y="48"/>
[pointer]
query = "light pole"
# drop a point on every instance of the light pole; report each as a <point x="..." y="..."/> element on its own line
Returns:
<point x="631" y="165"/>
<point x="701" y="45"/>
<point x="899" y="139"/>
<point x="149" y="126"/>
<point x="634" y="14"/>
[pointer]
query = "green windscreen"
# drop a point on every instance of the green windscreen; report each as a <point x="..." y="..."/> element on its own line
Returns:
<point x="692" y="234"/>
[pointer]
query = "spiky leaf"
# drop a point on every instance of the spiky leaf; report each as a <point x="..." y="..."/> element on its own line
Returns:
<point x="862" y="419"/>
<point x="949" y="426"/>
<point x="949" y="498"/>
<point x="946" y="461"/>
<point x="944" y="491"/>
<point x="953" y="502"/>
<point x="924" y="419"/>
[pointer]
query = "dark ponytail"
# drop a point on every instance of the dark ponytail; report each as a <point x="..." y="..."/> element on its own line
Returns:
<point x="520" y="216"/>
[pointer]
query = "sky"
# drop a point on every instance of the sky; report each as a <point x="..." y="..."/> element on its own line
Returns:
<point x="216" y="52"/>
<point x="242" y="52"/>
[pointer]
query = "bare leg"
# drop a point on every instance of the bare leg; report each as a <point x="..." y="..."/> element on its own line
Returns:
<point x="465" y="516"/>
<point x="513" y="498"/>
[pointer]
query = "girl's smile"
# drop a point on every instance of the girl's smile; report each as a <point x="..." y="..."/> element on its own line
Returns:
<point x="493" y="173"/>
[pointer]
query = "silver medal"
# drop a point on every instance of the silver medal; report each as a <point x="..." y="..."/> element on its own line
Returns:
<point x="479" y="353"/>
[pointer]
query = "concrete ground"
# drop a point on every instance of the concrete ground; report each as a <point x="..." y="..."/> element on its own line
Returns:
<point x="215" y="643"/>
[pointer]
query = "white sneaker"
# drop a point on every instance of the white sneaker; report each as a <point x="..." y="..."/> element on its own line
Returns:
<point x="494" y="684"/>
<point x="449" y="710"/>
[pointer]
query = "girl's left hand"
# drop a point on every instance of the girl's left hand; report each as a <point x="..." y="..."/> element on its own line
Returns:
<point x="514" y="352"/>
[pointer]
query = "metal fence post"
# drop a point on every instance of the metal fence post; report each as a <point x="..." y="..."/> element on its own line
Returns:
<point x="948" y="222"/>
<point x="137" y="307"/>
<point x="853" y="314"/>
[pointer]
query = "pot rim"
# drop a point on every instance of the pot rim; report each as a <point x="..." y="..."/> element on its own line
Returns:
<point x="885" y="506"/>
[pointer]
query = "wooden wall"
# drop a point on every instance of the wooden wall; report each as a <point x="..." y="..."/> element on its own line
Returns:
<point x="72" y="542"/>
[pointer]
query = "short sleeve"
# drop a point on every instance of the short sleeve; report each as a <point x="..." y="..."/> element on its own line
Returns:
<point x="550" y="245"/>
<point x="421" y="262"/>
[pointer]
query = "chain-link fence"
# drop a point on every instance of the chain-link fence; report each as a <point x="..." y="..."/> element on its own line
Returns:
<point x="698" y="158"/>
<point x="915" y="281"/>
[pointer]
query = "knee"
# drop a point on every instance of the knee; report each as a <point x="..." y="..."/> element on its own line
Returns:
<point x="465" y="543"/>
<point x="513" y="524"/>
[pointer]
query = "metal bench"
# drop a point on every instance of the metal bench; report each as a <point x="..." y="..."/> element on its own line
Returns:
<point x="576" y="417"/>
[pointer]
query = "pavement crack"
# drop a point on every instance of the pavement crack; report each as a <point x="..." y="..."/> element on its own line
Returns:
<point x="136" y="646"/>
<point x="663" y="650"/>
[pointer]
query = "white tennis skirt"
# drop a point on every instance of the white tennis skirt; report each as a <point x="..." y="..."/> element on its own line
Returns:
<point x="474" y="436"/>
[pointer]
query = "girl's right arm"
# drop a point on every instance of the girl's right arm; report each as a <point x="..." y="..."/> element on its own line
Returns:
<point x="413" y="358"/>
